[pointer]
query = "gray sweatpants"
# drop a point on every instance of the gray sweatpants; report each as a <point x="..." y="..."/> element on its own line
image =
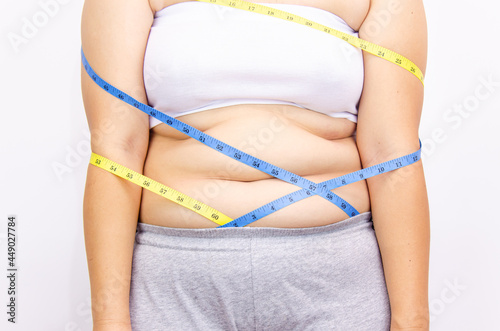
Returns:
<point x="319" y="278"/>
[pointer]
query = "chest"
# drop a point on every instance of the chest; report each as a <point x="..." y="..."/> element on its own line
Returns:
<point x="207" y="56"/>
<point x="353" y="12"/>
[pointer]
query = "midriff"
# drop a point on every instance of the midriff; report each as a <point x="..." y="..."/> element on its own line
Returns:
<point x="307" y="143"/>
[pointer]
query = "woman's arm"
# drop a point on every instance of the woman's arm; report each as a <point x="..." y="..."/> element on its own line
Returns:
<point x="389" y="117"/>
<point x="114" y="36"/>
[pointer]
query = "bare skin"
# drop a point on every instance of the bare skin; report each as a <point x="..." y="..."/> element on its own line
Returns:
<point x="236" y="189"/>
<point x="305" y="142"/>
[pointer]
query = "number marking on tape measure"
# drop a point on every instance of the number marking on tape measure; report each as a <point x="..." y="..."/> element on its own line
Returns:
<point x="365" y="45"/>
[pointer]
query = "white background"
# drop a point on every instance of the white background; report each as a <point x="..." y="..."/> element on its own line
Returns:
<point x="45" y="149"/>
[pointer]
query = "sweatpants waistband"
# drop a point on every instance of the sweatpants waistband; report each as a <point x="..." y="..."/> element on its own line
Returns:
<point x="148" y="233"/>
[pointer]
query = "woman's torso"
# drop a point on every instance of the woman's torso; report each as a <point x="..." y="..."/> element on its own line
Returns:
<point x="308" y="143"/>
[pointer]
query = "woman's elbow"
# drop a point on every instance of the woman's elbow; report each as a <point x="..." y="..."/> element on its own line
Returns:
<point x="376" y="150"/>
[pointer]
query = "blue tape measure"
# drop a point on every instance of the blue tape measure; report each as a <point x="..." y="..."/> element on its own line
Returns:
<point x="325" y="186"/>
<point x="309" y="188"/>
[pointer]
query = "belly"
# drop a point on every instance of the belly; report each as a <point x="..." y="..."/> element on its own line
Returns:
<point x="309" y="144"/>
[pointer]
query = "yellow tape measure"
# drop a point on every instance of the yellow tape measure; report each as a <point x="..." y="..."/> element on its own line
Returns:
<point x="160" y="189"/>
<point x="197" y="206"/>
<point x="367" y="46"/>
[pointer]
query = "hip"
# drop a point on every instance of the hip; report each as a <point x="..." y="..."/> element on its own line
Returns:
<point x="317" y="278"/>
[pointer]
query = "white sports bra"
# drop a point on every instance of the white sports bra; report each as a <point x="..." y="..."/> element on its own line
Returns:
<point x="201" y="56"/>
